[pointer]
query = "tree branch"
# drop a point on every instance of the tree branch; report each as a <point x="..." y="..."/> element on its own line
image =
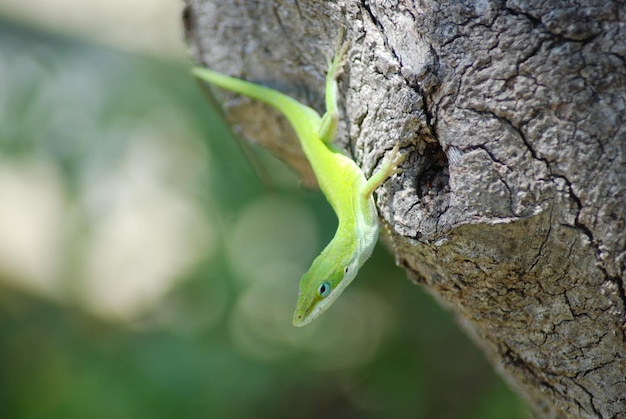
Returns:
<point x="513" y="210"/>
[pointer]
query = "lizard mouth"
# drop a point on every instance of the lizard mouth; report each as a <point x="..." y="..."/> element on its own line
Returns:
<point x="299" y="320"/>
<point x="304" y="317"/>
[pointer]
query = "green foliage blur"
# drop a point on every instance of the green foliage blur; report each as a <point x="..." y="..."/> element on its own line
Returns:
<point x="161" y="281"/>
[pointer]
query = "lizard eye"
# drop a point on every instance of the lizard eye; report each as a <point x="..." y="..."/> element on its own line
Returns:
<point x="324" y="289"/>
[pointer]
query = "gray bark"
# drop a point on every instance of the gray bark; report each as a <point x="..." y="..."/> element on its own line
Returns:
<point x="512" y="205"/>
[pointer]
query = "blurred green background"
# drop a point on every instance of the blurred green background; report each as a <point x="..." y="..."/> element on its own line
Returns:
<point x="147" y="272"/>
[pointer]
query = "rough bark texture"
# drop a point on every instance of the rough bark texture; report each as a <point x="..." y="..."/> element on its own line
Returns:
<point x="512" y="206"/>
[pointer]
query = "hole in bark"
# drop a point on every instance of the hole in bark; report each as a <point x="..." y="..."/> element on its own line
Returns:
<point x="433" y="178"/>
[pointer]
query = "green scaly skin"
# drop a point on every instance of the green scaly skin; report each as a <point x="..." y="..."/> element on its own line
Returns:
<point x="339" y="178"/>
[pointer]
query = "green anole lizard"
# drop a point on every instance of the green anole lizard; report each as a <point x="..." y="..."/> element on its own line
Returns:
<point x="340" y="179"/>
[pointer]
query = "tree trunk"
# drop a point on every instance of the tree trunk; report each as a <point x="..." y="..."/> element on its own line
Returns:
<point x="512" y="207"/>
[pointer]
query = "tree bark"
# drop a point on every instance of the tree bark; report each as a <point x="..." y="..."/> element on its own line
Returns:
<point x="512" y="206"/>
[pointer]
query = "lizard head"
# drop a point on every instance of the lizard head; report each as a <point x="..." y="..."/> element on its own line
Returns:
<point x="321" y="286"/>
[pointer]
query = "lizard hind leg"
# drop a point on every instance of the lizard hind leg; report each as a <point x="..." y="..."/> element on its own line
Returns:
<point x="390" y="166"/>
<point x="328" y="126"/>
